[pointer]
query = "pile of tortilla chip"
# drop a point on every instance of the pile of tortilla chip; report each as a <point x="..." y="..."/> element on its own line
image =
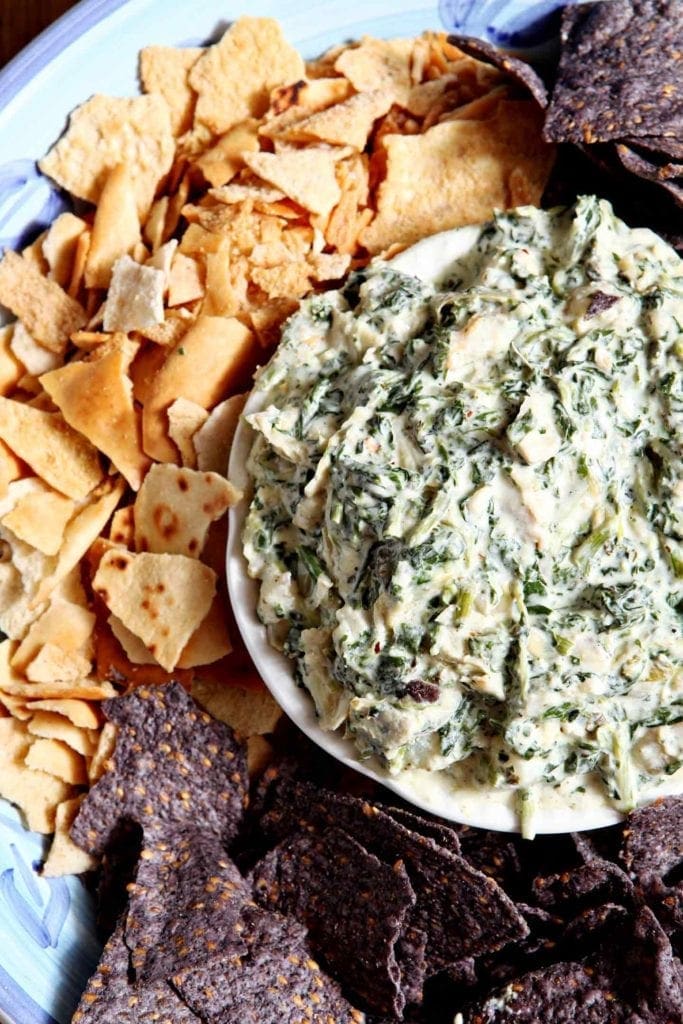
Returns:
<point x="316" y="905"/>
<point x="620" y="88"/>
<point x="240" y="180"/>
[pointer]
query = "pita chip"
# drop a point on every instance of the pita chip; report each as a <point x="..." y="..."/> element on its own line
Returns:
<point x="166" y="69"/>
<point x="110" y="423"/>
<point x="53" y="726"/>
<point x="35" y="358"/>
<point x="62" y="457"/>
<point x="382" y="64"/>
<point x="39" y="518"/>
<point x="81" y="713"/>
<point x="59" y="246"/>
<point x="122" y="530"/>
<point x="305" y="175"/>
<point x="212" y="358"/>
<point x="106" y="131"/>
<point x="36" y="793"/>
<point x="213" y="441"/>
<point x="116" y="228"/>
<point x="64" y="624"/>
<point x="186" y="280"/>
<point x="184" y="420"/>
<point x="65" y="857"/>
<point x="49" y="314"/>
<point x="58" y="759"/>
<point x="53" y="664"/>
<point x="345" y="124"/>
<point x="251" y="711"/>
<point x="161" y="598"/>
<point x="233" y="79"/>
<point x="11" y="368"/>
<point x="224" y="160"/>
<point x="175" y="507"/>
<point x="210" y="641"/>
<point x="135" y="299"/>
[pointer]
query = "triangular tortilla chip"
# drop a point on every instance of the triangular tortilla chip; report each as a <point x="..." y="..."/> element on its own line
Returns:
<point x="45" y="309"/>
<point x="110" y="423"/>
<point x="175" y="507"/>
<point x="306" y="175"/>
<point x="116" y="228"/>
<point x="55" y="452"/>
<point x="345" y="124"/>
<point x="210" y="641"/>
<point x="160" y="598"/>
<point x="379" y="64"/>
<point x="234" y="77"/>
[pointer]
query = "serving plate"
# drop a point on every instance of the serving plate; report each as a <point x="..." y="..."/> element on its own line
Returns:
<point x="47" y="939"/>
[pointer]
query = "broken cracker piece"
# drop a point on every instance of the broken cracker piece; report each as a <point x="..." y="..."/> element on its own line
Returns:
<point x="184" y="420"/>
<point x="116" y="228"/>
<point x="306" y="175"/>
<point x="165" y="70"/>
<point x="45" y="309"/>
<point x="65" y="857"/>
<point x="58" y="759"/>
<point x="135" y="298"/>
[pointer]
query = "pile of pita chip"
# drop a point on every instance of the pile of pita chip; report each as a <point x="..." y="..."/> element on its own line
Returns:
<point x="243" y="178"/>
<point x="619" y="88"/>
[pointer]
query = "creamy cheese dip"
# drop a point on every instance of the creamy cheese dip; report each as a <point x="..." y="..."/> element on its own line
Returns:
<point x="467" y="515"/>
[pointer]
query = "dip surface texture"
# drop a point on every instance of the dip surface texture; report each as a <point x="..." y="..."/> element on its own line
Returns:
<point x="467" y="508"/>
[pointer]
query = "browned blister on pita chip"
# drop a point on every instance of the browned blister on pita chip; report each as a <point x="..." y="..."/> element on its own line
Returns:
<point x="116" y="228"/>
<point x="65" y="857"/>
<point x="106" y="131"/>
<point x="39" y="518"/>
<point x="122" y="529"/>
<point x="58" y="759"/>
<point x="305" y="175"/>
<point x="166" y="69"/>
<point x="45" y="309"/>
<point x="234" y="77"/>
<point x="95" y="396"/>
<point x="213" y="440"/>
<point x="160" y="598"/>
<point x="224" y="159"/>
<point x="36" y="793"/>
<point x="175" y="507"/>
<point x="211" y="359"/>
<point x="61" y="456"/>
<point x="456" y="173"/>
<point x="184" y="420"/>
<point x="379" y="64"/>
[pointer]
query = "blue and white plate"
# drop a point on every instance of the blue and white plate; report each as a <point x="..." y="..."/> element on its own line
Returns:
<point x="48" y="946"/>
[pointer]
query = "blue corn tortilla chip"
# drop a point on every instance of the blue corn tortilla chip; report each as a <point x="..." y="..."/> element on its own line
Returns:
<point x="442" y="834"/>
<point x="663" y="176"/>
<point x="275" y="982"/>
<point x="518" y="70"/>
<point x="496" y="854"/>
<point x="596" y="881"/>
<point x="653" y="839"/>
<point x="354" y="906"/>
<point x="463" y="912"/>
<point x="111" y="997"/>
<point x="173" y="764"/>
<point x="203" y="916"/>
<point x="619" y="73"/>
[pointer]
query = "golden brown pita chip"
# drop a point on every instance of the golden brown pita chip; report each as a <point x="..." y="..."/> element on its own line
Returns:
<point x="184" y="420"/>
<point x="111" y="422"/>
<point x="58" y="759"/>
<point x="39" y="518"/>
<point x="80" y="533"/>
<point x="186" y="280"/>
<point x="251" y="711"/>
<point x="457" y="173"/>
<point x="100" y="761"/>
<point x="122" y="529"/>
<point x="11" y="368"/>
<point x="16" y="706"/>
<point x="135" y="299"/>
<point x="175" y="507"/>
<point x="213" y="441"/>
<point x="53" y="664"/>
<point x="65" y="857"/>
<point x="291" y="103"/>
<point x="165" y="69"/>
<point x="59" y="246"/>
<point x="36" y="793"/>
<point x="13" y="683"/>
<point x="11" y="468"/>
<point x="285" y="280"/>
<point x="240" y="192"/>
<point x="52" y="726"/>
<point x="106" y="131"/>
<point x="224" y="159"/>
<point x="45" y="309"/>
<point x="379" y="64"/>
<point x="166" y="334"/>
<point x="80" y="258"/>
<point x="306" y="175"/>
<point x="234" y="77"/>
<point x="160" y="598"/>
<point x="135" y="650"/>
<point x="211" y="359"/>
<point x="81" y="713"/>
<point x="55" y="452"/>
<point x="268" y="317"/>
<point x="345" y="221"/>
<point x="154" y="228"/>
<point x="210" y="641"/>
<point x="64" y="624"/>
<point x="344" y="124"/>
<point x="116" y="228"/>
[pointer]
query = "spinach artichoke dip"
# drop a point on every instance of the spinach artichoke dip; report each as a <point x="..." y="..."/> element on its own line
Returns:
<point x="467" y="508"/>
